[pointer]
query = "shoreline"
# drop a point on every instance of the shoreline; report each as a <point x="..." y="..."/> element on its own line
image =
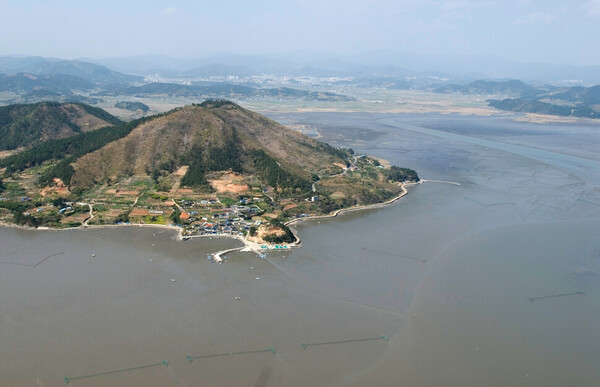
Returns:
<point x="94" y="226"/>
<point x="247" y="245"/>
<point x="356" y="208"/>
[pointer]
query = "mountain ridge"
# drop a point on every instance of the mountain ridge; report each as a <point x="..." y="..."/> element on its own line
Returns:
<point x="25" y="125"/>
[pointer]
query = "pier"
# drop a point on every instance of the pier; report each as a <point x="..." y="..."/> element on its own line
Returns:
<point x="217" y="256"/>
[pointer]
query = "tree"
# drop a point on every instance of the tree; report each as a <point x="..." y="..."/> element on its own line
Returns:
<point x="175" y="216"/>
<point x="122" y="218"/>
<point x="155" y="175"/>
<point x="402" y="174"/>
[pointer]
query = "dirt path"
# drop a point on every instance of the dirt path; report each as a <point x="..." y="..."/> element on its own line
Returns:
<point x="178" y="174"/>
<point x="85" y="222"/>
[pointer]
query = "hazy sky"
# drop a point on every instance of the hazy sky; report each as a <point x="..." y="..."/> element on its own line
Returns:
<point x="555" y="31"/>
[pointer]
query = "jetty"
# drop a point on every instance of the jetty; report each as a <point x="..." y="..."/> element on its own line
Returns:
<point x="217" y="256"/>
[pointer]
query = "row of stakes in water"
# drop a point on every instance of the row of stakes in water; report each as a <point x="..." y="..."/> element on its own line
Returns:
<point x="191" y="358"/>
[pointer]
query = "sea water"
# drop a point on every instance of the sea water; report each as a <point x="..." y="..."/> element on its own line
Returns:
<point x="447" y="274"/>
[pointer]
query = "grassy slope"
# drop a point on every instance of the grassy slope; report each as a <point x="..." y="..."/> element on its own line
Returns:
<point x="170" y="139"/>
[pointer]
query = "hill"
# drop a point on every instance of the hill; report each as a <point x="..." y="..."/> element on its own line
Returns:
<point x="59" y="83"/>
<point x="47" y="66"/>
<point x="213" y="136"/>
<point x="214" y="168"/>
<point x="574" y="101"/>
<point x="133" y="106"/>
<point x="539" y="107"/>
<point x="512" y="86"/>
<point x="30" y="124"/>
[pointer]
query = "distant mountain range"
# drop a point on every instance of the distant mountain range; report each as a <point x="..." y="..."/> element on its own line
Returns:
<point x="32" y="79"/>
<point x="87" y="71"/>
<point x="28" y="82"/>
<point x="511" y="86"/>
<point x="375" y="63"/>
<point x="220" y="90"/>
<point x="247" y="77"/>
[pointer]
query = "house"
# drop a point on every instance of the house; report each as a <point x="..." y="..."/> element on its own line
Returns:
<point x="314" y="198"/>
<point x="184" y="216"/>
<point x="65" y="209"/>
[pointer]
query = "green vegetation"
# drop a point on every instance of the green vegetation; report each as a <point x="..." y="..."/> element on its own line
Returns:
<point x="252" y="230"/>
<point x="511" y="86"/>
<point x="270" y="170"/>
<point x="226" y="157"/>
<point x="576" y="101"/>
<point x="132" y="106"/>
<point x="532" y="106"/>
<point x="247" y="158"/>
<point x="100" y="113"/>
<point x="224" y="90"/>
<point x="25" y="125"/>
<point x="122" y="217"/>
<point x="158" y="196"/>
<point x="529" y="106"/>
<point x="288" y="237"/>
<point x="75" y="146"/>
<point x="401" y="174"/>
<point x="227" y="202"/>
<point x="17" y="209"/>
<point x="15" y="206"/>
<point x="175" y="216"/>
<point x="63" y="170"/>
<point x="194" y="177"/>
<point x="216" y="103"/>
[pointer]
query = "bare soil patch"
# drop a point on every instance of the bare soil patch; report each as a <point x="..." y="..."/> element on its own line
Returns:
<point x="229" y="182"/>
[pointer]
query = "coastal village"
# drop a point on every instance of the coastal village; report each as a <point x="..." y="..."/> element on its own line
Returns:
<point x="236" y="206"/>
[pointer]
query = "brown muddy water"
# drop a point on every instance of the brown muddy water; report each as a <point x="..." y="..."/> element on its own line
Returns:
<point x="448" y="274"/>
